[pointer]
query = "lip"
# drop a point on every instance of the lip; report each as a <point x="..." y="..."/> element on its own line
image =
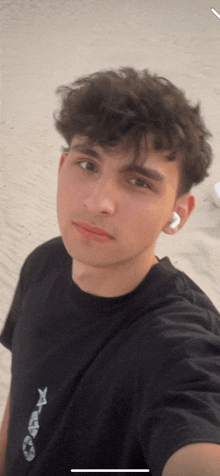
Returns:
<point x="92" y="229"/>
<point x="89" y="235"/>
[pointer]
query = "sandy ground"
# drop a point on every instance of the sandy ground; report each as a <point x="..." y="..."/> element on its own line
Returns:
<point x="46" y="43"/>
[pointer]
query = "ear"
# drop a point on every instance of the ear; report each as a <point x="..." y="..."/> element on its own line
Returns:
<point x="62" y="159"/>
<point x="184" y="207"/>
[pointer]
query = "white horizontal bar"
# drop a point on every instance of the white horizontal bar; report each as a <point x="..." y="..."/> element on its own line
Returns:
<point x="110" y="470"/>
<point x="215" y="12"/>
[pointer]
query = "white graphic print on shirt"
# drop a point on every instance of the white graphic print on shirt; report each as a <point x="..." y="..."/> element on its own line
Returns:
<point x="33" y="427"/>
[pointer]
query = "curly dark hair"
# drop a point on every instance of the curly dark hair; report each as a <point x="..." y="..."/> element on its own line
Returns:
<point x="115" y="107"/>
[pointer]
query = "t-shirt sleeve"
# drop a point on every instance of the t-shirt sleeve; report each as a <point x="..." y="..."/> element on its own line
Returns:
<point x="185" y="405"/>
<point x="33" y="270"/>
<point x="7" y="332"/>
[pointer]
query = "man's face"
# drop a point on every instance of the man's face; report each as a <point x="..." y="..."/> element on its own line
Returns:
<point x="132" y="208"/>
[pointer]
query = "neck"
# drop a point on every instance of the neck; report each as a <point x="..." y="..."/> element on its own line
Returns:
<point x="111" y="281"/>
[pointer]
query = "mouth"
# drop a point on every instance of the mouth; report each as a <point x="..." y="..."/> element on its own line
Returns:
<point x="91" y="229"/>
<point x="91" y="235"/>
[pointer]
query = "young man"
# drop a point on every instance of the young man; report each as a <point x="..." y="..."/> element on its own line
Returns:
<point x="115" y="352"/>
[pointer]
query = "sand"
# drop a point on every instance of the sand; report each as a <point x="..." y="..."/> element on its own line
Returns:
<point x="48" y="43"/>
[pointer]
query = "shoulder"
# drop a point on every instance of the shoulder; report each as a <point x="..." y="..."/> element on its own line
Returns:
<point x="185" y="326"/>
<point x="177" y="319"/>
<point x="55" y="245"/>
<point x="179" y="338"/>
<point x="43" y="258"/>
<point x="180" y="294"/>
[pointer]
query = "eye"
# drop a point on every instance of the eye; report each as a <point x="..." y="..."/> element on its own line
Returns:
<point x="142" y="183"/>
<point x="91" y="165"/>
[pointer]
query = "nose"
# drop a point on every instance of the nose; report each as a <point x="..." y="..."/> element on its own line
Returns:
<point x="103" y="197"/>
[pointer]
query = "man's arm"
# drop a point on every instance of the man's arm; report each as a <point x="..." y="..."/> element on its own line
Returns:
<point x="3" y="438"/>
<point x="197" y="459"/>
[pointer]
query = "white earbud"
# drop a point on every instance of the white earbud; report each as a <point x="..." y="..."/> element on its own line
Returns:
<point x="176" y="220"/>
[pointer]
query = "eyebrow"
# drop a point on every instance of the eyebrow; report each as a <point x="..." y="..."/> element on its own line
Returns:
<point x="145" y="171"/>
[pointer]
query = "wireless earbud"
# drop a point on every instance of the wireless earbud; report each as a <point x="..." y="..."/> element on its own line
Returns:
<point x="176" y="220"/>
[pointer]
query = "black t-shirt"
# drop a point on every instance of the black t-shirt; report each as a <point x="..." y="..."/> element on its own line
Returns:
<point x="108" y="383"/>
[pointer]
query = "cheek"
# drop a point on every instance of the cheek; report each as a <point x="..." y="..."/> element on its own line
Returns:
<point x="69" y="199"/>
<point x="64" y="192"/>
<point x="139" y="221"/>
<point x="63" y="201"/>
<point x="149" y="220"/>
